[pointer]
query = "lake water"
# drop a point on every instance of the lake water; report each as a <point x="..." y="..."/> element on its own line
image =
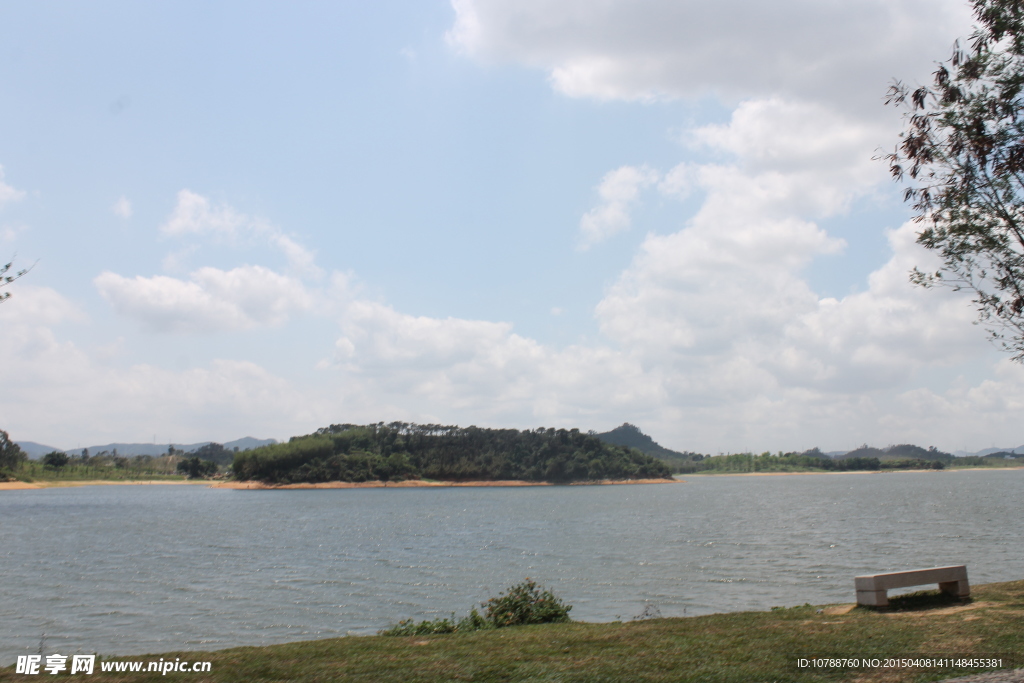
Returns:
<point x="135" y="569"/>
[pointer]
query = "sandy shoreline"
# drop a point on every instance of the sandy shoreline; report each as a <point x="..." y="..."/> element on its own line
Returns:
<point x="418" y="483"/>
<point x="21" y="485"/>
<point x="255" y="485"/>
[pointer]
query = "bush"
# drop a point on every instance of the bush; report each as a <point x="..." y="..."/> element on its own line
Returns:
<point x="408" y="627"/>
<point x="524" y="603"/>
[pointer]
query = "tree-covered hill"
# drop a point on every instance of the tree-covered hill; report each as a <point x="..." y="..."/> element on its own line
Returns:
<point x="901" y="451"/>
<point x="630" y="436"/>
<point x="398" y="451"/>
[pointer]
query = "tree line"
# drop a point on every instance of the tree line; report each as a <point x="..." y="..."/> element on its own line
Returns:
<point x="400" y="450"/>
<point x="813" y="460"/>
<point x="865" y="458"/>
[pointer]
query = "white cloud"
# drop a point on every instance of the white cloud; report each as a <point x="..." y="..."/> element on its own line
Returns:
<point x="428" y="368"/>
<point x="7" y="193"/>
<point x="122" y="208"/>
<point x="713" y="337"/>
<point x="619" y="190"/>
<point x="701" y="361"/>
<point x="41" y="306"/>
<point x="790" y="135"/>
<point x="194" y="214"/>
<point x="211" y="300"/>
<point x="64" y="395"/>
<point x="648" y="49"/>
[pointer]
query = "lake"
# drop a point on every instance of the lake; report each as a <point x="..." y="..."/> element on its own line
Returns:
<point x="136" y="569"/>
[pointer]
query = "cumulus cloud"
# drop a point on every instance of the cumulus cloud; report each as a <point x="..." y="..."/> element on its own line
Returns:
<point x="648" y="49"/>
<point x="702" y="361"/>
<point x="728" y="289"/>
<point x="427" y="367"/>
<point x="45" y="375"/>
<point x="7" y="193"/>
<point x="619" y="189"/>
<point x="211" y="300"/>
<point x="195" y="214"/>
<point x="712" y="338"/>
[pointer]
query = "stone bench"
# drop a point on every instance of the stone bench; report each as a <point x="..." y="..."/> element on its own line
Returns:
<point x="871" y="589"/>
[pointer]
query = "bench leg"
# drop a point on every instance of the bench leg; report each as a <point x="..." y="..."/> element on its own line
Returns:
<point x="960" y="589"/>
<point x="872" y="598"/>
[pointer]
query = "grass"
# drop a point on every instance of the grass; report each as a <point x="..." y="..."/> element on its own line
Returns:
<point x="740" y="647"/>
<point x="34" y="471"/>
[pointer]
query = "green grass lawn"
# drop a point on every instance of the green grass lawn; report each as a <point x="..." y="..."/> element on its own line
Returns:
<point x="742" y="647"/>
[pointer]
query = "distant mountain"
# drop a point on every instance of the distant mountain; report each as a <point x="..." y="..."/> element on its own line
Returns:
<point x="247" y="442"/>
<point x="35" y="450"/>
<point x="630" y="436"/>
<point x="989" y="451"/>
<point x="903" y="451"/>
<point x="130" y="450"/>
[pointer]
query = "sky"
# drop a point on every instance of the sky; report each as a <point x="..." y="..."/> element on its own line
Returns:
<point x="264" y="218"/>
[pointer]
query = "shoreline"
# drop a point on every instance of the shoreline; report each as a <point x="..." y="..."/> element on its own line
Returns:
<point x="752" y="644"/>
<point x="894" y="471"/>
<point x="68" y="483"/>
<point x="420" y="483"/>
<point x="260" y="486"/>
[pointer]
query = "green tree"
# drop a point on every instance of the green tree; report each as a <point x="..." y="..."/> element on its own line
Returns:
<point x="194" y="468"/>
<point x="961" y="156"/>
<point x="11" y="455"/>
<point x="215" y="452"/>
<point x="55" y="459"/>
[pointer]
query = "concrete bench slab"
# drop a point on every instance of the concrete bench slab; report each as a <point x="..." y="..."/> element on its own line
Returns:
<point x="872" y="588"/>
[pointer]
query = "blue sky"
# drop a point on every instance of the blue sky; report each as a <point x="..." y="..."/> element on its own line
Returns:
<point x="261" y="219"/>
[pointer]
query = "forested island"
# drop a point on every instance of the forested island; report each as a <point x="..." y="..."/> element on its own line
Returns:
<point x="863" y="459"/>
<point x="400" y="451"/>
<point x="427" y="454"/>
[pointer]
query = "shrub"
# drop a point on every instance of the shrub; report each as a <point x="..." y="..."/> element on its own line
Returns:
<point x="526" y="603"/>
<point x="408" y="627"/>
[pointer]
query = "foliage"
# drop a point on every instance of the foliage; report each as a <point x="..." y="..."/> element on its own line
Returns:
<point x="196" y="468"/>
<point x="214" y="452"/>
<point x="6" y="279"/>
<point x="55" y="459"/>
<point x="863" y="459"/>
<point x="408" y="627"/>
<point x="962" y="154"/>
<point x="103" y="466"/>
<point x="399" y="451"/>
<point x="11" y="455"/>
<point x="524" y="603"/>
